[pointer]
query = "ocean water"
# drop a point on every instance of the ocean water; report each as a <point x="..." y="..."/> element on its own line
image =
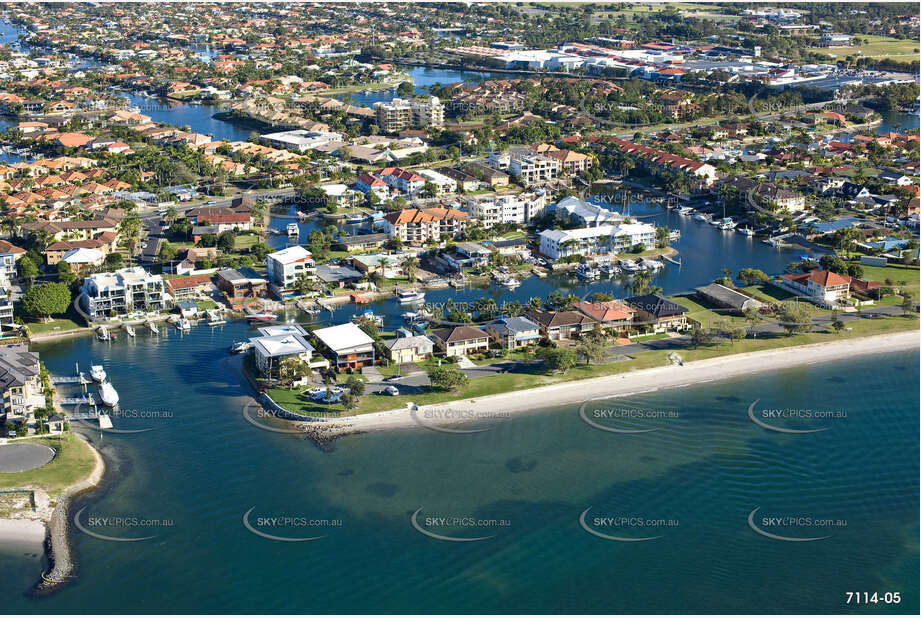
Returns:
<point x="523" y="483"/>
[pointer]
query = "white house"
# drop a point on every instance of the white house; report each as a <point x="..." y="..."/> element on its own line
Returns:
<point x="599" y="240"/>
<point x="286" y="266"/>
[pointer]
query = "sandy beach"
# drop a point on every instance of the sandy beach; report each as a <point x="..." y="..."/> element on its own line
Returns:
<point x="630" y="383"/>
<point x="18" y="533"/>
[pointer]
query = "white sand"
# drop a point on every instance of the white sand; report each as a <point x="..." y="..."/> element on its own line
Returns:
<point x="644" y="380"/>
<point x="22" y="533"/>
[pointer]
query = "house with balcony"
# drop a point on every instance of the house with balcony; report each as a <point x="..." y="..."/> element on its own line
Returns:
<point x="511" y="333"/>
<point x="123" y="291"/>
<point x="346" y="346"/>
<point x="658" y="313"/>
<point x="461" y="340"/>
<point x="285" y="267"/>
<point x="20" y="384"/>
<point x="822" y="287"/>
<point x="562" y="325"/>
<point x="241" y="286"/>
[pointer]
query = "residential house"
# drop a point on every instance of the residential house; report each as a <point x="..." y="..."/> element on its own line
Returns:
<point x="285" y="267"/>
<point x="241" y="286"/>
<point x="461" y="340"/>
<point x="20" y="383"/>
<point x="123" y="291"/>
<point x="513" y="332"/>
<point x="347" y="346"/>
<point x="9" y="253"/>
<point x="822" y="287"/>
<point x="658" y="313"/>
<point x="409" y="349"/>
<point x="419" y="226"/>
<point x="612" y="315"/>
<point x="562" y="325"/>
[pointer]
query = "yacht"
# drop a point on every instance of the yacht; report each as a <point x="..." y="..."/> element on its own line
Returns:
<point x="631" y="266"/>
<point x="652" y="265"/>
<point x="726" y="223"/>
<point x="686" y="210"/>
<point x="238" y="347"/>
<point x="293" y="229"/>
<point x="701" y="217"/>
<point x="409" y="296"/>
<point x="610" y="270"/>
<point x="97" y="373"/>
<point x="355" y="219"/>
<point x="369" y="315"/>
<point x="183" y="324"/>
<point x="261" y="316"/>
<point x="129" y="330"/>
<point x="584" y="271"/>
<point x="108" y="394"/>
<point x="511" y="282"/>
<point x="746" y="231"/>
<point x="102" y="333"/>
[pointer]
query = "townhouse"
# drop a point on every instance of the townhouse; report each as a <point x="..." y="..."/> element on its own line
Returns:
<point x="657" y="161"/>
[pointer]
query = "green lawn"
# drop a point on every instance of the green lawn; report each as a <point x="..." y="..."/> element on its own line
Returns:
<point x="204" y="305"/>
<point x="877" y="47"/>
<point x="74" y="461"/>
<point x="244" y="242"/>
<point x="908" y="274"/>
<point x="71" y="322"/>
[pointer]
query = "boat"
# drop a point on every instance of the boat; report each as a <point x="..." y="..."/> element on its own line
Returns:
<point x="610" y="270"/>
<point x="631" y="266"/>
<point x="153" y="327"/>
<point x="293" y="229"/>
<point x="537" y="272"/>
<point x="369" y="315"/>
<point x="409" y="296"/>
<point x="108" y="394"/>
<point x="511" y="282"/>
<point x="746" y="231"/>
<point x="97" y="373"/>
<point x="652" y="265"/>
<point x="702" y="217"/>
<point x="129" y="330"/>
<point x="726" y="223"/>
<point x="102" y="333"/>
<point x="770" y="241"/>
<point x="265" y="315"/>
<point x="674" y="235"/>
<point x="686" y="210"/>
<point x="584" y="271"/>
<point x="458" y="282"/>
<point x="238" y="347"/>
<point x="215" y="318"/>
<point x="184" y="325"/>
<point x="356" y="218"/>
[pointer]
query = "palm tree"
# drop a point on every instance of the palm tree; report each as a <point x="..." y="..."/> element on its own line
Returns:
<point x="410" y="265"/>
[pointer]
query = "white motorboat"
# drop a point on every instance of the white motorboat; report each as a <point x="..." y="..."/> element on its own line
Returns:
<point x="511" y="282"/>
<point x="293" y="229"/>
<point x="102" y="333"/>
<point x="370" y="316"/>
<point x="97" y="373"/>
<point x="409" y="296"/>
<point x="215" y="318"/>
<point x="726" y="223"/>
<point x="153" y="327"/>
<point x="746" y="231"/>
<point x="686" y="210"/>
<point x="355" y="219"/>
<point x="584" y="271"/>
<point x="702" y="217"/>
<point x="261" y="316"/>
<point x="238" y="347"/>
<point x="108" y="394"/>
<point x="631" y="266"/>
<point x="129" y="330"/>
<point x="652" y="265"/>
<point x="184" y="325"/>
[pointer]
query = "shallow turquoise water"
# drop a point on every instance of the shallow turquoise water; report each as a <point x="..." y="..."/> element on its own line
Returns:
<point x="705" y="468"/>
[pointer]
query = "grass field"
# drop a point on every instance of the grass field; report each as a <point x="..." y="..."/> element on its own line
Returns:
<point x="244" y="241"/>
<point x="877" y="47"/>
<point x="73" y="461"/>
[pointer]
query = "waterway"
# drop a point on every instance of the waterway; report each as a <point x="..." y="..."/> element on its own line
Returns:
<point x="696" y="478"/>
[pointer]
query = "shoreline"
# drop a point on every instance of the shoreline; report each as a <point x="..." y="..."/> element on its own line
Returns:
<point x="629" y="383"/>
<point x="57" y="542"/>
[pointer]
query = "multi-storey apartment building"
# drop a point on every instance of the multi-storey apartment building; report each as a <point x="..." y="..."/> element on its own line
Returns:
<point x="9" y="253"/>
<point x="526" y="165"/>
<point x="123" y="291"/>
<point x="600" y="240"/>
<point x="20" y="384"/>
<point x="399" y="114"/>
<point x="490" y="210"/>
<point x="417" y="227"/>
<point x="285" y="267"/>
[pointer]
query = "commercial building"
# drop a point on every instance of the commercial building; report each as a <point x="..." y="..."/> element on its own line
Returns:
<point x="123" y="291"/>
<point x="301" y="140"/>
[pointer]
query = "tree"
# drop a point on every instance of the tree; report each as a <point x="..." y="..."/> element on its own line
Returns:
<point x="833" y="264"/>
<point x="592" y="349"/>
<point x="290" y="369"/>
<point x="65" y="274"/>
<point x="795" y="317"/>
<point x="908" y="303"/>
<point x="46" y="299"/>
<point x="27" y="268"/>
<point x="410" y="267"/>
<point x="225" y="241"/>
<point x="168" y="252"/>
<point x="557" y="359"/>
<point x="750" y="276"/>
<point x="113" y="261"/>
<point x="355" y="386"/>
<point x="700" y="336"/>
<point x="349" y="400"/>
<point x="752" y="316"/>
<point x="447" y="379"/>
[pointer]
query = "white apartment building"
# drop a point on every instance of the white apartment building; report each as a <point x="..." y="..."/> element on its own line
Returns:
<point x="123" y="291"/>
<point x="285" y="267"/>
<point x="526" y="165"/>
<point x="600" y="240"/>
<point x="442" y="182"/>
<point x="492" y="210"/>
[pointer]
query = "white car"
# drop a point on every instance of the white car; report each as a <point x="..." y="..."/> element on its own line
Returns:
<point x="392" y="390"/>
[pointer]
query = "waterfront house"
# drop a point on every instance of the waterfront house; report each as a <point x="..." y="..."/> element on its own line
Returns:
<point x="347" y="346"/>
<point x="722" y="296"/>
<point x="270" y="351"/>
<point x="822" y="287"/>
<point x="658" y="312"/>
<point x="513" y="332"/>
<point x="360" y="242"/>
<point x="6" y="309"/>
<point x="285" y="267"/>
<point x="190" y="287"/>
<point x="338" y="275"/>
<point x="9" y="253"/>
<point x="82" y="260"/>
<point x="409" y="349"/>
<point x="600" y="240"/>
<point x="562" y="325"/>
<point x="20" y="384"/>
<point x="461" y="340"/>
<point x="241" y="286"/>
<point x="613" y="315"/>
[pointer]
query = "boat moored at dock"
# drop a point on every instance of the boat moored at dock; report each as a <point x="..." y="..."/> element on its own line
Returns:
<point x="409" y="296"/>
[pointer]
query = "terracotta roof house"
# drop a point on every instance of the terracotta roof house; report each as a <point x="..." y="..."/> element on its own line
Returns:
<point x="820" y="286"/>
<point x="658" y="312"/>
<point x="612" y="314"/>
<point x="561" y="325"/>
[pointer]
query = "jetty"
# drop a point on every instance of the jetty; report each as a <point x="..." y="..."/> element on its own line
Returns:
<point x="671" y="260"/>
